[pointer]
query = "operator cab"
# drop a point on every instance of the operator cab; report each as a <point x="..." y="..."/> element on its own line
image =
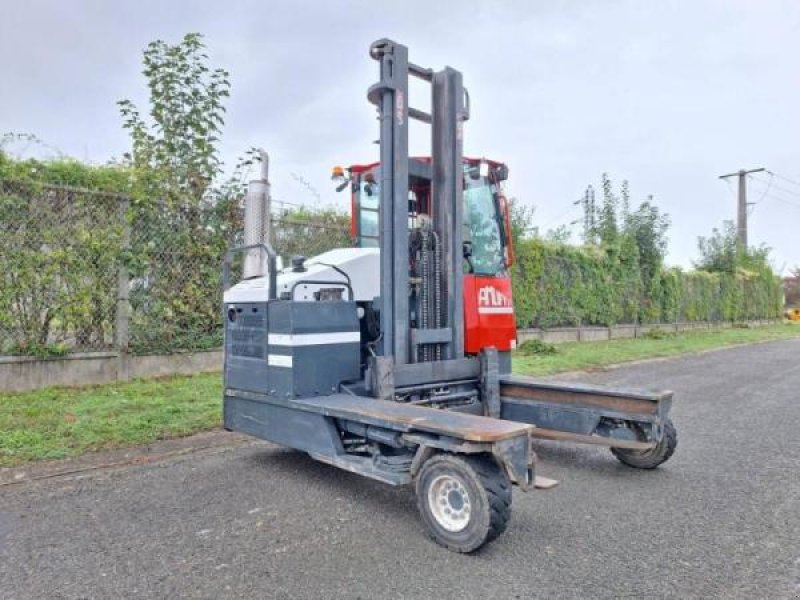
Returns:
<point x="487" y="231"/>
<point x="488" y="251"/>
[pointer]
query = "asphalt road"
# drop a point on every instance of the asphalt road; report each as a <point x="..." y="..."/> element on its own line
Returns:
<point x="248" y="520"/>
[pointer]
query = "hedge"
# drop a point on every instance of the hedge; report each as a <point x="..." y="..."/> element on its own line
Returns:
<point x="562" y="285"/>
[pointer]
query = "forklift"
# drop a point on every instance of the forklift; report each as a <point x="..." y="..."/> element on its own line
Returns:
<point x="392" y="359"/>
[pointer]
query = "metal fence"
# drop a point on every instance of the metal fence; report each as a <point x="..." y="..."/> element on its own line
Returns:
<point x="91" y="271"/>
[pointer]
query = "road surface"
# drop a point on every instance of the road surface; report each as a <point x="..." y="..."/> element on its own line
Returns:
<point x="243" y="519"/>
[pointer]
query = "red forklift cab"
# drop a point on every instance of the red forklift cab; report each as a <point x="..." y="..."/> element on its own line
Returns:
<point x="488" y="304"/>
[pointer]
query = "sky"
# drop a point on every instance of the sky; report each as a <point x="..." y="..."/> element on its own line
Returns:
<point x="665" y="94"/>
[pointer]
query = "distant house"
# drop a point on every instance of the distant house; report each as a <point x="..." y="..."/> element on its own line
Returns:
<point x="791" y="291"/>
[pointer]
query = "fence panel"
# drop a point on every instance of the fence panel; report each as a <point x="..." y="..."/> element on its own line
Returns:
<point x="91" y="271"/>
<point x="59" y="251"/>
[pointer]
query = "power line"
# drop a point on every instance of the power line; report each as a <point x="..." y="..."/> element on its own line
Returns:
<point x="306" y="184"/>
<point x="777" y="187"/>
<point x="784" y="200"/>
<point x="730" y="187"/>
<point x="797" y="183"/>
<point x="560" y="217"/>
<point x="774" y="196"/>
<point x="769" y="184"/>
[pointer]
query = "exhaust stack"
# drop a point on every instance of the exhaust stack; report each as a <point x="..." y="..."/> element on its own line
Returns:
<point x="257" y="221"/>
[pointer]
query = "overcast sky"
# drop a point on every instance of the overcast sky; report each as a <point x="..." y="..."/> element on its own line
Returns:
<point x="665" y="94"/>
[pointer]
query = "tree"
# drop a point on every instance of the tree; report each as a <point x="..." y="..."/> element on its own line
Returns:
<point x="521" y="217"/>
<point x="587" y="203"/>
<point x="559" y="235"/>
<point x="176" y="154"/>
<point x="718" y="251"/>
<point x="647" y="226"/>
<point x="605" y="224"/>
<point x="721" y="252"/>
<point x="175" y="163"/>
<point x="607" y="217"/>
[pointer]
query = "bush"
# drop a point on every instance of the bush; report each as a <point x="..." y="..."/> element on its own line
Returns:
<point x="536" y="348"/>
<point x="561" y="285"/>
<point x="657" y="333"/>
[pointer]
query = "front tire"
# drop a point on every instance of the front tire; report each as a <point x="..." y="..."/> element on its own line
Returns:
<point x="650" y="459"/>
<point x="465" y="501"/>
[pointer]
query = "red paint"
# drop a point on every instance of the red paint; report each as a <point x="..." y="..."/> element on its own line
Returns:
<point x="488" y="314"/>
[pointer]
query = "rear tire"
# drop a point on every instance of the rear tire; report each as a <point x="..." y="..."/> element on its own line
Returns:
<point x="650" y="459"/>
<point x="464" y="501"/>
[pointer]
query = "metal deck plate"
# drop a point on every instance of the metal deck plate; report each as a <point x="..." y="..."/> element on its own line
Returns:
<point x="405" y="417"/>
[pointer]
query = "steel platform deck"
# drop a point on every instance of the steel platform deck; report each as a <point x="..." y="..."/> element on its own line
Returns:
<point x="407" y="417"/>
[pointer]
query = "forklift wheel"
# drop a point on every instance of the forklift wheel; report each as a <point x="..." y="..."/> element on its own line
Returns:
<point x="650" y="459"/>
<point x="465" y="501"/>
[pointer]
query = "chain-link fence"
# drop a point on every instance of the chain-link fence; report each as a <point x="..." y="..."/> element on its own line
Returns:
<point x="92" y="271"/>
<point x="59" y="254"/>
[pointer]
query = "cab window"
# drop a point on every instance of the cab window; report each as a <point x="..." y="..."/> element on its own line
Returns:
<point x="482" y="226"/>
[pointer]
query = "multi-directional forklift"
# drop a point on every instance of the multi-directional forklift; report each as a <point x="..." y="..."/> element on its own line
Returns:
<point x="392" y="359"/>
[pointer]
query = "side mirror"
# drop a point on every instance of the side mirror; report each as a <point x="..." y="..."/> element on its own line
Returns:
<point x="500" y="173"/>
<point x="467" y="250"/>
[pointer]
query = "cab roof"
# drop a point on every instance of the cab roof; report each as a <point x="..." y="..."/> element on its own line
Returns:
<point x="360" y="168"/>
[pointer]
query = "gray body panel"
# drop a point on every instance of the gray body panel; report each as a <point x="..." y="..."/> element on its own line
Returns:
<point x="246" y="329"/>
<point x="297" y="429"/>
<point x="291" y="349"/>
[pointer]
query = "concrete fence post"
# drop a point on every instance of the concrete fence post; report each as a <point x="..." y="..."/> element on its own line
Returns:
<point x="123" y="306"/>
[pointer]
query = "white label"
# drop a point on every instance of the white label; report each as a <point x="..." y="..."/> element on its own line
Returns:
<point x="313" y="339"/>
<point x="279" y="360"/>
<point x="495" y="310"/>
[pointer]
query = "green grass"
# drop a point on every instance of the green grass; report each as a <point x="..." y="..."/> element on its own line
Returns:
<point x="64" y="422"/>
<point x="586" y="355"/>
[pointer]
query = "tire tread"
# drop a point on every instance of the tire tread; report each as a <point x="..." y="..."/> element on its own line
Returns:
<point x="650" y="459"/>
<point x="493" y="480"/>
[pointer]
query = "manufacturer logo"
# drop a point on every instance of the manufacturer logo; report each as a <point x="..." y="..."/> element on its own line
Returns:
<point x="400" y="106"/>
<point x="493" y="301"/>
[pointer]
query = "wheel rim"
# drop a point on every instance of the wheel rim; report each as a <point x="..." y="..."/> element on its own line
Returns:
<point x="449" y="503"/>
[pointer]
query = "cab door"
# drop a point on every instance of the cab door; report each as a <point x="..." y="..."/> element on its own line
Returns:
<point x="488" y="302"/>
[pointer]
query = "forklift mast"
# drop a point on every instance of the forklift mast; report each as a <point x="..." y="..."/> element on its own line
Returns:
<point x="450" y="108"/>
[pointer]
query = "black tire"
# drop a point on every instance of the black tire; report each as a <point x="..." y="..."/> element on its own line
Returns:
<point x="479" y="493"/>
<point x="650" y="459"/>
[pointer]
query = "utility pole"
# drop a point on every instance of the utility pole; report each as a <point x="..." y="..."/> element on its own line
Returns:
<point x="741" y="220"/>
